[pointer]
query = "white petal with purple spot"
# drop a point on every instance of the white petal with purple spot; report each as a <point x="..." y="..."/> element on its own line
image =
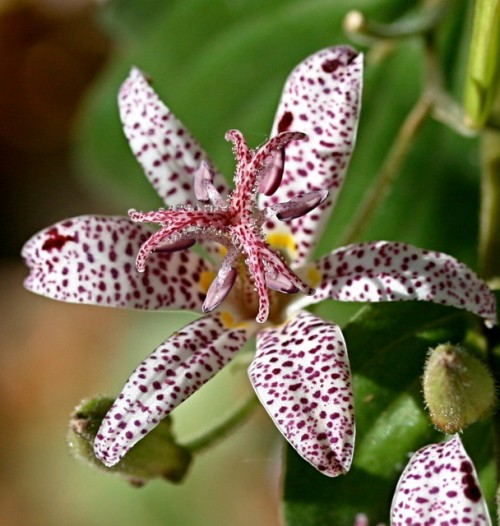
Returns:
<point x="301" y="375"/>
<point x="91" y="260"/>
<point x="172" y="373"/>
<point x="164" y="147"/>
<point x="385" y="271"/>
<point x="321" y="98"/>
<point x="439" y="486"/>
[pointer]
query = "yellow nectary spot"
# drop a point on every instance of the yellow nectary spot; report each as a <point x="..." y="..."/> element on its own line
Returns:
<point x="227" y="319"/>
<point x="314" y="276"/>
<point x="206" y="278"/>
<point x="229" y="322"/>
<point x="222" y="250"/>
<point x="282" y="241"/>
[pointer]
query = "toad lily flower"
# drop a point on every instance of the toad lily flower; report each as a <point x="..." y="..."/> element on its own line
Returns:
<point x="439" y="486"/>
<point x="260" y="236"/>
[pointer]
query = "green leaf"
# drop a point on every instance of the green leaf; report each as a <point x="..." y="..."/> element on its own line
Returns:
<point x="387" y="345"/>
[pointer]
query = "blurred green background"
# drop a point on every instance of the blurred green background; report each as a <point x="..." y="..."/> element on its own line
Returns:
<point x="219" y="64"/>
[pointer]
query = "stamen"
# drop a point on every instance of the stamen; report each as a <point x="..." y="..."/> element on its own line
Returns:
<point x="300" y="205"/>
<point x="277" y="269"/>
<point x="175" y="246"/>
<point x="281" y="283"/>
<point x="278" y="142"/>
<point x="273" y="172"/>
<point x="202" y="176"/>
<point x="219" y="289"/>
<point x="251" y="168"/>
<point x="161" y="238"/>
<point x="204" y="188"/>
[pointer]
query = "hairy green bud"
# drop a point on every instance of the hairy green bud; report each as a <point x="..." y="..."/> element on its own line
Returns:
<point x="157" y="455"/>
<point x="458" y="388"/>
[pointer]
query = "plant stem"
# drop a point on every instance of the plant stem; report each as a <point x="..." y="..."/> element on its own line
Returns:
<point x="433" y="101"/>
<point x="229" y="423"/>
<point x="411" y="24"/>
<point x="390" y="169"/>
<point x="489" y="232"/>
<point x="483" y="70"/>
<point x="489" y="246"/>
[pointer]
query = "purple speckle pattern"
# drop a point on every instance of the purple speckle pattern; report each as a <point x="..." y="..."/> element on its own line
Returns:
<point x="387" y="271"/>
<point x="91" y="260"/>
<point x="302" y="377"/>
<point x="164" y="147"/>
<point x="321" y="98"/>
<point x="439" y="487"/>
<point x="172" y="373"/>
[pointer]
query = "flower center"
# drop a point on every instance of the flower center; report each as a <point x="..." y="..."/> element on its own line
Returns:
<point x="236" y="224"/>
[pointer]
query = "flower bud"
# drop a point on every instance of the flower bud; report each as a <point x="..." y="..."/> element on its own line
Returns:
<point x="156" y="455"/>
<point x="458" y="388"/>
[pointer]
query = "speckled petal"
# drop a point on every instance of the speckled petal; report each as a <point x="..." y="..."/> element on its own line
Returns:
<point x="321" y="98"/>
<point x="439" y="486"/>
<point x="163" y="146"/>
<point x="91" y="259"/>
<point x="385" y="271"/>
<point x="172" y="373"/>
<point x="302" y="377"/>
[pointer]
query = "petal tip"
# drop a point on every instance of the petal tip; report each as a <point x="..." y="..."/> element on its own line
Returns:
<point x="102" y="454"/>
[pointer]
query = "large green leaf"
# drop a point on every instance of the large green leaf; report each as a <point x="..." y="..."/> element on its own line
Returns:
<point x="387" y="345"/>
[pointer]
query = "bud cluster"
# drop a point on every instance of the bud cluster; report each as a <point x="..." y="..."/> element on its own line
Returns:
<point x="157" y="455"/>
<point x="458" y="388"/>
